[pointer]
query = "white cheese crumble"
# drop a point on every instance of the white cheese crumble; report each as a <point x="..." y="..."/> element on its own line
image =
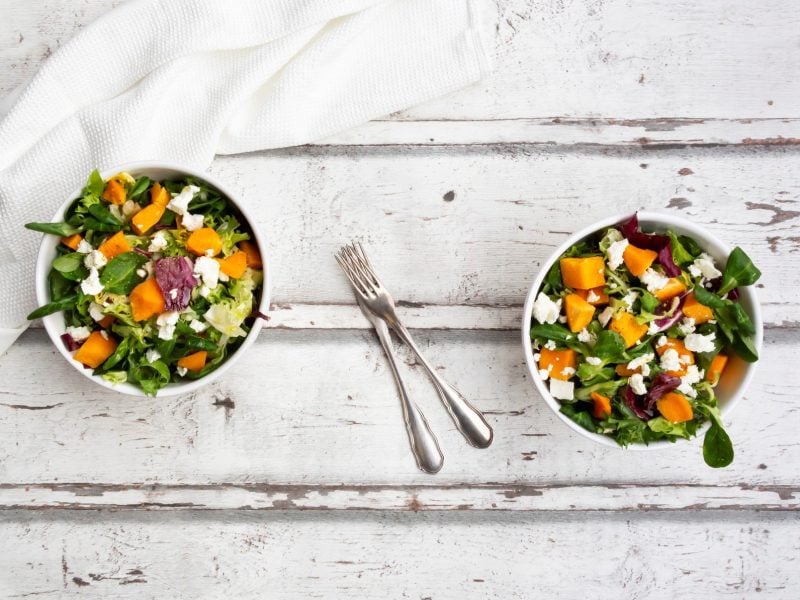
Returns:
<point x="104" y="333"/>
<point x="693" y="375"/>
<point x="158" y="242"/>
<point x="671" y="360"/>
<point x="91" y="286"/>
<point x="568" y="371"/>
<point x="629" y="299"/>
<point x="180" y="203"/>
<point x="594" y="360"/>
<point x="79" y="334"/>
<point x="95" y="260"/>
<point x="563" y="390"/>
<point x="96" y="311"/>
<point x="208" y="270"/>
<point x="192" y="222"/>
<point x="545" y="373"/>
<point x="654" y="280"/>
<point x="562" y="319"/>
<point x="130" y="208"/>
<point x="653" y="328"/>
<point x="704" y="265"/>
<point x="152" y="355"/>
<point x="84" y="247"/>
<point x="166" y="324"/>
<point x="605" y="316"/>
<point x="615" y="254"/>
<point x="687" y="326"/>
<point x="117" y="212"/>
<point x="661" y="341"/>
<point x="545" y="310"/>
<point x="592" y="297"/>
<point x="586" y="336"/>
<point x="536" y="356"/>
<point x="141" y="273"/>
<point x="642" y="363"/>
<point x="550" y="345"/>
<point x="697" y="342"/>
<point x="182" y="371"/>
<point x="636" y="381"/>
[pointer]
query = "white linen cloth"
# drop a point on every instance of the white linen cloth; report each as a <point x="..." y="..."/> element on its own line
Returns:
<point x="183" y="80"/>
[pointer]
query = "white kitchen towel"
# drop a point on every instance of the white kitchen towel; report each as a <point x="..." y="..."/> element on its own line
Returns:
<point x="183" y="80"/>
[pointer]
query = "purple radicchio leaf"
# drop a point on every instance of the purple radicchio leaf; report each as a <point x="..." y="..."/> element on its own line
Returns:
<point x="662" y="384"/>
<point x="70" y="342"/>
<point x="634" y="235"/>
<point x="638" y="404"/>
<point x="176" y="280"/>
<point x="673" y="314"/>
<point x="666" y="262"/>
<point x="143" y="252"/>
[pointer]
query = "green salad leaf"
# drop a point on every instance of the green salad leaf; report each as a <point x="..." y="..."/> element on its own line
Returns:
<point x="739" y="271"/>
<point x="119" y="275"/>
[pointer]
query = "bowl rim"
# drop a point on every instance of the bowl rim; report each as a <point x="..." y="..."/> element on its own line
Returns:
<point x="706" y="240"/>
<point x="53" y="323"/>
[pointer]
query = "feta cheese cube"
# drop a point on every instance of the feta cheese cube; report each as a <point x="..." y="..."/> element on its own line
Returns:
<point x="91" y="286"/>
<point x="152" y="355"/>
<point x="192" y="222"/>
<point x="208" y="270"/>
<point x="594" y="360"/>
<point x="704" y="266"/>
<point x="158" y="242"/>
<point x="166" y="324"/>
<point x="605" y="316"/>
<point x="96" y="311"/>
<point x="79" y="334"/>
<point x="180" y="203"/>
<point x="95" y="260"/>
<point x="636" y="381"/>
<point x="654" y="280"/>
<point x="670" y="360"/>
<point x="545" y="310"/>
<point x="642" y="363"/>
<point x="562" y="390"/>
<point x="697" y="342"/>
<point x="199" y="327"/>
<point x="615" y="254"/>
<point x="84" y="247"/>
<point x="687" y="326"/>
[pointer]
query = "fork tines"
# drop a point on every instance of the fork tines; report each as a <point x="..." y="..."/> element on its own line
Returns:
<point x="357" y="267"/>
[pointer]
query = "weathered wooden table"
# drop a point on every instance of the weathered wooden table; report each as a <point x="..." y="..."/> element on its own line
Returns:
<point x="291" y="477"/>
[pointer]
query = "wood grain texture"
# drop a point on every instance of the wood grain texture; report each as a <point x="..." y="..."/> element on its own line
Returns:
<point x="460" y="225"/>
<point x="399" y="555"/>
<point x="310" y="408"/>
<point x="291" y="476"/>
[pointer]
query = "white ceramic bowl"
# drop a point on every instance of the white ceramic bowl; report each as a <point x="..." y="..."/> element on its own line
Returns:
<point x="54" y="324"/>
<point x="737" y="374"/>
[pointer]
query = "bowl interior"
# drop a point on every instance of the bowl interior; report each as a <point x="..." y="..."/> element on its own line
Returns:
<point x="738" y="372"/>
<point x="55" y="325"/>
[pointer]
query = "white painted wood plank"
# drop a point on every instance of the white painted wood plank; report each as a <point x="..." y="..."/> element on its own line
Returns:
<point x="490" y="497"/>
<point x="372" y="555"/>
<point x="318" y="408"/>
<point x="563" y="131"/>
<point x="470" y="225"/>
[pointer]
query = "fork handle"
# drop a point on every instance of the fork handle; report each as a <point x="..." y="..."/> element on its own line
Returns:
<point x="469" y="420"/>
<point x="423" y="442"/>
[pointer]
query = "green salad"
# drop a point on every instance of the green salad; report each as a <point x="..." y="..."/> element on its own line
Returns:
<point x="633" y="330"/>
<point x="158" y="281"/>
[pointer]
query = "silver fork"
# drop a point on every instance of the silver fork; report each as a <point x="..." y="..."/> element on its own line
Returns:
<point x="469" y="421"/>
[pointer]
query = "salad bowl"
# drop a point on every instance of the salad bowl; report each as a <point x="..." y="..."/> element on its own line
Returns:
<point x="56" y="326"/>
<point x="737" y="373"/>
